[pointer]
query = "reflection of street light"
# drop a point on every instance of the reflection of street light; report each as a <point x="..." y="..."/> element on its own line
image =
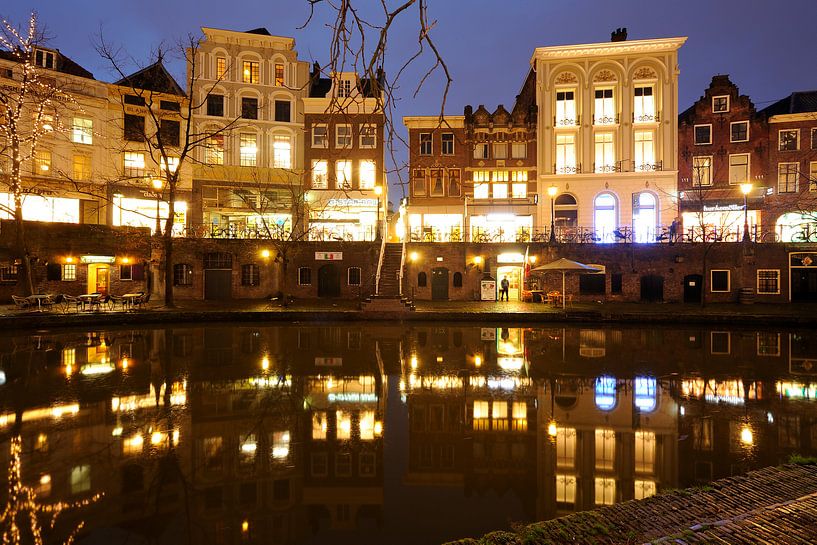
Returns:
<point x="378" y="190"/>
<point x="746" y="436"/>
<point x="746" y="189"/>
<point x="157" y="188"/>
<point x="552" y="190"/>
<point x="552" y="431"/>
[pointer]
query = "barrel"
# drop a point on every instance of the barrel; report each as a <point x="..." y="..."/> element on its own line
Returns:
<point x="746" y="296"/>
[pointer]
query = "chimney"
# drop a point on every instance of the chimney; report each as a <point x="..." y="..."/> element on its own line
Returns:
<point x="619" y="35"/>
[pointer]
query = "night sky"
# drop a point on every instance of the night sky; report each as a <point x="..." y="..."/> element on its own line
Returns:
<point x="766" y="47"/>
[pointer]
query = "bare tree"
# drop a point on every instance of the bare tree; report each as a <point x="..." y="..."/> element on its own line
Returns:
<point x="170" y="140"/>
<point x="29" y="102"/>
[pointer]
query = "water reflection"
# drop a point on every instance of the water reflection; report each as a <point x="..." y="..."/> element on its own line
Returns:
<point x="373" y="434"/>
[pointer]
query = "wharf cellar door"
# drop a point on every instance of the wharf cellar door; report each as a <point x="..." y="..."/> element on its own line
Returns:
<point x="803" y="270"/>
<point x="439" y="284"/>
<point x="693" y="288"/>
<point x="328" y="281"/>
<point x="218" y="276"/>
<point x="652" y="288"/>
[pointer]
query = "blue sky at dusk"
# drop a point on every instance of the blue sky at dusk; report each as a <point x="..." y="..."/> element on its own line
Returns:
<point x="766" y="47"/>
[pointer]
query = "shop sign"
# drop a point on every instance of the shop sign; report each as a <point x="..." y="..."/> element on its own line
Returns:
<point x="723" y="208"/>
<point x="348" y="203"/>
<point x="487" y="290"/>
<point x="510" y="258"/>
<point x="352" y="397"/>
<point x="97" y="259"/>
<point x="328" y="256"/>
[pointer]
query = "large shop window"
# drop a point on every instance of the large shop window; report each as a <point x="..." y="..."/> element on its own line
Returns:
<point x="41" y="208"/>
<point x="645" y="217"/>
<point x="605" y="215"/>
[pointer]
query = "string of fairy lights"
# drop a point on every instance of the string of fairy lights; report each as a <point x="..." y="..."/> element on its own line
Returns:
<point x="24" y="514"/>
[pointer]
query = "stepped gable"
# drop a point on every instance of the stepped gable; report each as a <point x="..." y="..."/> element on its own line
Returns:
<point x="771" y="505"/>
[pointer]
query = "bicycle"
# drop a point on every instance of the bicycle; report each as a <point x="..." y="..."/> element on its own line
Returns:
<point x="805" y="235"/>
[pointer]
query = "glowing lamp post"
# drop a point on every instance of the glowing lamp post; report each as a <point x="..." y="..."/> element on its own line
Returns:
<point x="746" y="189"/>
<point x="378" y="190"/>
<point x="552" y="190"/>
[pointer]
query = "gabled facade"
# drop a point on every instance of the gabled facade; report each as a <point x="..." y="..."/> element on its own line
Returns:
<point x="344" y="173"/>
<point x="607" y="135"/>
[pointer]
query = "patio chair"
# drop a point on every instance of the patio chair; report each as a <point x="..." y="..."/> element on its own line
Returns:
<point x="69" y="301"/>
<point x="50" y="301"/>
<point x="21" y="303"/>
<point x="143" y="300"/>
<point x="114" y="300"/>
<point x="99" y="302"/>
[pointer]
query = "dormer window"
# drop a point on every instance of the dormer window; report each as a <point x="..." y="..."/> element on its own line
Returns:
<point x="44" y="59"/>
<point x="344" y="88"/>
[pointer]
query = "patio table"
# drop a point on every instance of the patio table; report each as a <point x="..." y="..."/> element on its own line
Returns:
<point x="39" y="298"/>
<point x="89" y="299"/>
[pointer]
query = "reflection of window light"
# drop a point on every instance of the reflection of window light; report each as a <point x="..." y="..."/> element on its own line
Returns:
<point x="249" y="446"/>
<point x="280" y="445"/>
<point x="565" y="488"/>
<point x="644" y="489"/>
<point x="605" y="491"/>
<point x="319" y="425"/>
<point x="80" y="479"/>
<point x="344" y="420"/>
<point x="645" y="393"/>
<point x="480" y="409"/>
<point x="366" y="425"/>
<point x="605" y="393"/>
<point x="510" y="364"/>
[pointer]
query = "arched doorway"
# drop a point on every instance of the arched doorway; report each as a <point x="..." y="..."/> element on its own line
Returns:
<point x="693" y="288"/>
<point x="652" y="288"/>
<point x="439" y="284"/>
<point x="605" y="216"/>
<point x="645" y="217"/>
<point x="328" y="281"/>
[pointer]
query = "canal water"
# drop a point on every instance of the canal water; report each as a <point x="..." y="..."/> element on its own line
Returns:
<point x="385" y="434"/>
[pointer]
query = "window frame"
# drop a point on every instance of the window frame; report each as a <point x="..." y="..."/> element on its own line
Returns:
<point x="281" y="158"/>
<point x="244" y="158"/>
<point x="254" y="76"/>
<point x="250" y="275"/>
<point x="347" y="137"/>
<point x="812" y="176"/>
<point x="182" y="275"/>
<point x="69" y="272"/>
<point x="796" y="177"/>
<point x="419" y="174"/>
<point x="731" y="129"/>
<point x="695" y="134"/>
<point x="125" y="277"/>
<point x="447" y="138"/>
<point x="348" y="172"/>
<point x="709" y="170"/>
<point x="425" y="144"/>
<point x="325" y="128"/>
<point x="501" y="147"/>
<point x="304" y="279"/>
<point x="728" y="104"/>
<point x="777" y="281"/>
<point x="796" y="139"/>
<point x="712" y="280"/>
<point x="519" y="145"/>
<point x="314" y="174"/>
<point x="80" y="133"/>
<point x="276" y="103"/>
<point x="349" y="276"/>
<point x="217" y="103"/>
<point x="367" y="130"/>
<point x="249" y="108"/>
<point x="748" y="167"/>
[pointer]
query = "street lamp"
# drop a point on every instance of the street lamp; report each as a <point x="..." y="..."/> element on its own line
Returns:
<point x="157" y="188"/>
<point x="552" y="190"/>
<point x="746" y="188"/>
<point x="378" y="190"/>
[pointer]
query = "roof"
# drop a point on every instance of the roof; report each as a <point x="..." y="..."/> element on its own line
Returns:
<point x="368" y="87"/>
<point x="153" y="78"/>
<point x="796" y="103"/>
<point x="649" y="46"/>
<point x="260" y="30"/>
<point x="771" y="505"/>
<point x="64" y="64"/>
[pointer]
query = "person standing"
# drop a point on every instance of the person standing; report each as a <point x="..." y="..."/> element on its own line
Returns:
<point x="503" y="288"/>
<point x="673" y="231"/>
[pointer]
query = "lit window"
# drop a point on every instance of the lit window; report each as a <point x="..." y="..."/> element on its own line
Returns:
<point x="425" y="143"/>
<point x="605" y="113"/>
<point x="605" y="491"/>
<point x="787" y="174"/>
<point x="447" y="142"/>
<point x="343" y="174"/>
<point x="69" y="272"/>
<point x="566" y="109"/>
<point x="248" y="148"/>
<point x="82" y="167"/>
<point x="644" y="489"/>
<point x="701" y="171"/>
<point x="247" y="449"/>
<point x="319" y="139"/>
<point x="481" y="185"/>
<point x="366" y="423"/>
<point x="605" y="154"/>
<point x="644" y="451"/>
<point x="251" y="72"/>
<point x="768" y="281"/>
<point x="343" y="136"/>
<point x="319" y="425"/>
<point x="343" y="428"/>
<point x="519" y="150"/>
<point x="43" y="487"/>
<point x="214" y="150"/>
<point x="644" y="151"/>
<point x="319" y="175"/>
<point x="739" y="131"/>
<point x="703" y="134"/>
<point x="565" y="489"/>
<point x="80" y="479"/>
<point x="738" y="168"/>
<point x="42" y="162"/>
<point x="281" y="151"/>
<point x="605" y="448"/>
<point x="500" y="191"/>
<point x="643" y="105"/>
<point x="605" y="393"/>
<point x="368" y="174"/>
<point x="221" y="68"/>
<point x="605" y="214"/>
<point x="279" y="74"/>
<point x="481" y="420"/>
<point x="368" y="136"/>
<point x="171" y="164"/>
<point x="500" y="150"/>
<point x="82" y="131"/>
<point x="565" y="154"/>
<point x="565" y="447"/>
<point x="134" y="164"/>
<point x="645" y="397"/>
<point x="280" y="445"/>
<point x="789" y="140"/>
<point x="720" y="104"/>
<point x="519" y="191"/>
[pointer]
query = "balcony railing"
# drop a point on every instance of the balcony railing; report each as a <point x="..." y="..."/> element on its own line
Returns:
<point x="567" y="122"/>
<point x="567" y="169"/>
<point x="606" y="120"/>
<point x="601" y="169"/>
<point x="647" y="118"/>
<point x="649" y="167"/>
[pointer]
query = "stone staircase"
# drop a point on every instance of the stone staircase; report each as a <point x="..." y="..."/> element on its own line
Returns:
<point x="388" y="297"/>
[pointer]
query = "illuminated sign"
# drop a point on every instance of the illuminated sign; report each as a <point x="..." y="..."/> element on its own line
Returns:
<point x="352" y="202"/>
<point x="723" y="208"/>
<point x="97" y="259"/>
<point x="510" y="258"/>
<point x="328" y="256"/>
<point x="352" y="397"/>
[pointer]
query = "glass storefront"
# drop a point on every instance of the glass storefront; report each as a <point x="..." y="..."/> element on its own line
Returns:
<point x="143" y="213"/>
<point x="501" y="228"/>
<point x="720" y="223"/>
<point x="344" y="219"/>
<point x="435" y="227"/>
<point x="42" y="208"/>
<point x="796" y="226"/>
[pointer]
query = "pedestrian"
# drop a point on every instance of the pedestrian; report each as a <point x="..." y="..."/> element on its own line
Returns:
<point x="503" y="288"/>
<point x="673" y="231"/>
